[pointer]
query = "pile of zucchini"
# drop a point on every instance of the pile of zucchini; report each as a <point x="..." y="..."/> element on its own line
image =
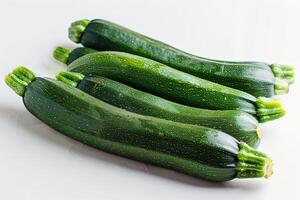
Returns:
<point x="131" y="95"/>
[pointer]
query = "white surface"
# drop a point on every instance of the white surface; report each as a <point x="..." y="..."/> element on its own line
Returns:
<point x="38" y="163"/>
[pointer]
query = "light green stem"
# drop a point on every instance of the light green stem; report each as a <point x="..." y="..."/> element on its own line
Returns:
<point x="18" y="79"/>
<point x="69" y="78"/>
<point x="76" y="29"/>
<point x="268" y="109"/>
<point x="62" y="54"/>
<point x="281" y="86"/>
<point x="285" y="72"/>
<point x="252" y="163"/>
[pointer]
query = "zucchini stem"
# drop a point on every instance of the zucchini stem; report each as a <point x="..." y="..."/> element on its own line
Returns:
<point x="252" y="163"/>
<point x="62" y="54"/>
<point x="284" y="72"/>
<point x="18" y="79"/>
<point x="76" y="29"/>
<point x="268" y="109"/>
<point x="69" y="78"/>
<point x="281" y="86"/>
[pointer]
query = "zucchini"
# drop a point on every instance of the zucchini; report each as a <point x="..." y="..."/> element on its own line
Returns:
<point x="194" y="150"/>
<point x="242" y="126"/>
<point x="174" y="85"/>
<point x="67" y="56"/>
<point x="104" y="35"/>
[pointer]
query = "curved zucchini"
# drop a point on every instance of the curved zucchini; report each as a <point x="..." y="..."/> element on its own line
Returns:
<point x="67" y="56"/>
<point x="104" y="35"/>
<point x="198" y="151"/>
<point x="238" y="124"/>
<point x="166" y="82"/>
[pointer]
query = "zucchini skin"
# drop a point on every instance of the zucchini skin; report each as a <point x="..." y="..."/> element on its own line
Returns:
<point x="78" y="52"/>
<point x="161" y="80"/>
<point x="81" y="51"/>
<point x="255" y="78"/>
<point x="198" y="151"/>
<point x="240" y="125"/>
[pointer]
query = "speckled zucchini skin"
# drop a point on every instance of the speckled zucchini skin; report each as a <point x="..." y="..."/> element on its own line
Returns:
<point x="242" y="126"/>
<point x="79" y="52"/>
<point x="255" y="78"/>
<point x="163" y="81"/>
<point x="198" y="151"/>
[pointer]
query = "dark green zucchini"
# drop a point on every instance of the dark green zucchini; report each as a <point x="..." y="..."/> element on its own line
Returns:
<point x="174" y="85"/>
<point x="104" y="35"/>
<point x="240" y="125"/>
<point x="195" y="150"/>
<point x="67" y="56"/>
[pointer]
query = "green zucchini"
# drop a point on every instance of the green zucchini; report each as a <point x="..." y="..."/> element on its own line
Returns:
<point x="242" y="126"/>
<point x="174" y="85"/>
<point x="67" y="56"/>
<point x="104" y="35"/>
<point x="194" y="150"/>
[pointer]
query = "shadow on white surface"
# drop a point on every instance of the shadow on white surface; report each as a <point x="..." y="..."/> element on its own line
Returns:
<point x="33" y="126"/>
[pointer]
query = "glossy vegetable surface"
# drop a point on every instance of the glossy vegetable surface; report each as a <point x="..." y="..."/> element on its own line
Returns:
<point x="238" y="124"/>
<point x="104" y="35"/>
<point x="198" y="151"/>
<point x="174" y="85"/>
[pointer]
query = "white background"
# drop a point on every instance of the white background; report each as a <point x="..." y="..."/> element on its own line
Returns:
<point x="38" y="163"/>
